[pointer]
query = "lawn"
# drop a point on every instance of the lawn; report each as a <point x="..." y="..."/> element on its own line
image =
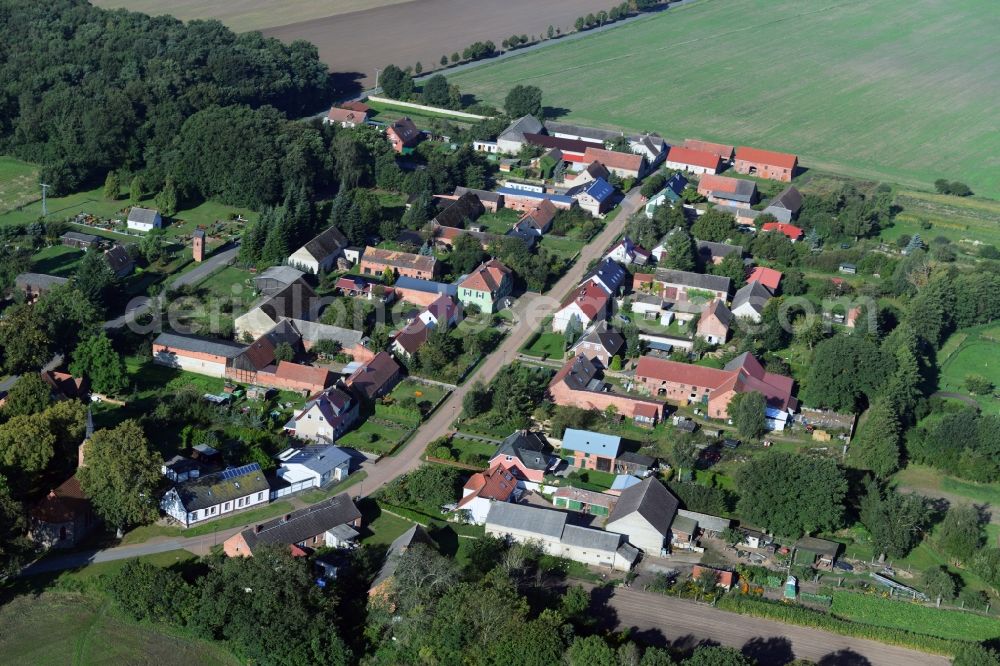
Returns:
<point x="422" y="393"/>
<point x="546" y="345"/>
<point x="147" y="532"/>
<point x="56" y="260"/>
<point x="562" y="246"/>
<point x="898" y="90"/>
<point x="976" y="352"/>
<point x="499" y="222"/>
<point x="921" y="477"/>
<point x="468" y="451"/>
<point x="371" y="437"/>
<point x="18" y="183"/>
<point x="881" y="612"/>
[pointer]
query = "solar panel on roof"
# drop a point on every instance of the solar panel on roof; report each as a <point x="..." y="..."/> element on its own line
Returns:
<point x="240" y="471"/>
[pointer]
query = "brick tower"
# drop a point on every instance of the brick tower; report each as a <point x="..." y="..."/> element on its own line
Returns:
<point x="198" y="248"/>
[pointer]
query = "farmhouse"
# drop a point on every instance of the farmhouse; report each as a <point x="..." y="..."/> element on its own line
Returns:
<point x="599" y="343"/>
<point x="728" y="191"/>
<point x="325" y="417"/>
<point x="214" y="495"/>
<point x="259" y="355"/>
<point x="765" y="164"/>
<point x="375" y="261"/>
<point x="643" y="514"/>
<point x="624" y="165"/>
<point x="687" y="291"/>
<point x="297" y="301"/>
<point x="491" y="201"/>
<point x="725" y="152"/>
<point x="684" y="383"/>
<point x="670" y="194"/>
<point x="463" y="210"/>
<point x="525" y="453"/>
<point x="749" y="301"/>
<point x="591" y="450"/>
<point x="594" y="197"/>
<point x="408" y="341"/>
<point x="403" y="135"/>
<point x="785" y="207"/>
<point x="143" y="219"/>
<point x="375" y="378"/>
<point x="204" y="356"/>
<point x="537" y="218"/>
<point x="520" y="199"/>
<point x="588" y="303"/>
<point x="579" y="384"/>
<point x="512" y="138"/>
<point x="550" y="530"/>
<point x="320" y="254"/>
<point x="487" y="286"/>
<point x="693" y="161"/>
<point x="332" y="523"/>
<point x="571" y="150"/>
<point x="593" y="171"/>
<point x="768" y="277"/>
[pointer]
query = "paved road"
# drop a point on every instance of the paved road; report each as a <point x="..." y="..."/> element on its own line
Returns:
<point x="141" y="304"/>
<point x="529" y="310"/>
<point x="686" y="623"/>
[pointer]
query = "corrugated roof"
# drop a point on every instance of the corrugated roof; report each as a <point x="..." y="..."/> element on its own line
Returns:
<point x="304" y="523"/>
<point x="588" y="537"/>
<point x="527" y="519"/>
<point x="594" y="443"/>
<point x="196" y="343"/>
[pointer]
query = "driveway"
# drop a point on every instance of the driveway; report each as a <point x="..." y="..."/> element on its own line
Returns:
<point x="684" y="624"/>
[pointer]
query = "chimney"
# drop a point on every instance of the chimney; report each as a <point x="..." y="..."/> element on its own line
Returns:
<point x="257" y="529"/>
<point x="286" y="518"/>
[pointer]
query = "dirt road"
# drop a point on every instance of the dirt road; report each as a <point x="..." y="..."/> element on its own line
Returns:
<point x="685" y="623"/>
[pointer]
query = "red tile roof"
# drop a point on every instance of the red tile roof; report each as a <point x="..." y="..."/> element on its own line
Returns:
<point x="681" y="373"/>
<point x="590" y="298"/>
<point x="712" y="183"/>
<point x="305" y="374"/>
<point x="346" y="116"/>
<point x="356" y="106"/>
<point x="613" y="159"/>
<point x="497" y="483"/>
<point x="63" y="503"/>
<point x="769" y="157"/>
<point x="488" y="276"/>
<point x="790" y="230"/>
<point x="768" y="277"/>
<point x="647" y="410"/>
<point x="693" y="157"/>
<point x="724" y="578"/>
<point x="722" y="150"/>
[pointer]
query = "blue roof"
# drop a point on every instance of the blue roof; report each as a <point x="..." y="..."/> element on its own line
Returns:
<point x="600" y="189"/>
<point x="610" y="273"/>
<point x="623" y="481"/>
<point x="406" y="282"/>
<point x="594" y="443"/>
<point x="514" y="192"/>
<point x="319" y="458"/>
<point x="676" y="183"/>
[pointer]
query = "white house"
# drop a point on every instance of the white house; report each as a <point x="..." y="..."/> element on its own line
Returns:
<point x="749" y="301"/>
<point x="627" y="252"/>
<point x="313" y="466"/>
<point x="320" y="254"/>
<point x="587" y="303"/>
<point x="548" y="529"/>
<point x="512" y="138"/>
<point x="213" y="495"/>
<point x="497" y="484"/>
<point x="644" y="514"/>
<point x="144" y="219"/>
<point x="325" y="417"/>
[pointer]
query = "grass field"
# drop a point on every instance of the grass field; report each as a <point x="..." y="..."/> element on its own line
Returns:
<point x="546" y="345"/>
<point x="976" y="353"/>
<point x="902" y="90"/>
<point x="18" y="183"/>
<point x="913" y="617"/>
<point x="56" y="260"/>
<point x="957" y="219"/>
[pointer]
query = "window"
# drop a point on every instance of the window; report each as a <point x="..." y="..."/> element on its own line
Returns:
<point x="226" y="508"/>
<point x="239" y="502"/>
<point x="260" y="496"/>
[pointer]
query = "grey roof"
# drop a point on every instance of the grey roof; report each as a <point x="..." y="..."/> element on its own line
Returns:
<point x="628" y="552"/>
<point x="118" y="259"/>
<point x="745" y="191"/>
<point x="595" y="133"/>
<point x="637" y="459"/>
<point x="524" y="518"/>
<point x="142" y="215"/>
<point x="484" y="195"/>
<point x="527" y="446"/>
<point x="713" y="249"/>
<point x="83" y="238"/>
<point x="588" y="537"/>
<point x="179" y="464"/>
<point x="416" y="534"/>
<point x="312" y="331"/>
<point x="327" y="243"/>
<point x="684" y="524"/>
<point x="213" y="489"/>
<point x="304" y="523"/>
<point x="320" y="458"/>
<point x="282" y="274"/>
<point x="721" y="312"/>
<point x="790" y="199"/>
<point x="756" y="294"/>
<point x="609" y="272"/>
<point x="818" y="546"/>
<point x="466" y="207"/>
<point x="196" y="343"/>
<point x="198" y="233"/>
<point x="706" y="521"/>
<point x="651" y="500"/>
<point x="608" y="338"/>
<point x="694" y="280"/>
<point x="739" y="212"/>
<point x="39" y="280"/>
<point x="517" y="129"/>
<point x="296" y="301"/>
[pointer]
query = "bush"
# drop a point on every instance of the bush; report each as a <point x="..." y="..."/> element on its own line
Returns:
<point x="978" y="385"/>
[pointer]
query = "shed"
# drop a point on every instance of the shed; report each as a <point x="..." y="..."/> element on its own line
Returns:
<point x="815" y="551"/>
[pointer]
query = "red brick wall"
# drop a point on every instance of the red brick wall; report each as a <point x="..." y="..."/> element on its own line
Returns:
<point x="563" y="395"/>
<point x="764" y="171"/>
<point x="272" y="380"/>
<point x="369" y="267"/>
<point x="236" y="546"/>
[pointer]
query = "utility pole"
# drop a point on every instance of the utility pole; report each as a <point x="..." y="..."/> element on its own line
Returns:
<point x="45" y="210"/>
<point x="377" y="73"/>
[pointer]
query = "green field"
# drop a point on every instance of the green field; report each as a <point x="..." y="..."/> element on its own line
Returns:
<point x="977" y="353"/>
<point x="890" y="89"/>
<point x="913" y="617"/>
<point x="18" y="183"/>
<point x="962" y="221"/>
<point x="56" y="260"/>
<point x="546" y="345"/>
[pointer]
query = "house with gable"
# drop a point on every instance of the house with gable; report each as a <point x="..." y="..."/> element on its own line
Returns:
<point x="64" y="517"/>
<point x="375" y="261"/>
<point x="537" y="218"/>
<point x="643" y="514"/>
<point x="736" y="192"/>
<point x="119" y="261"/>
<point x="628" y="252"/>
<point x="320" y="254"/>
<point x="487" y="287"/>
<point x="765" y="164"/>
<point x="213" y="495"/>
<point x="599" y="343"/>
<point x="714" y="253"/>
<point x="624" y="165"/>
<point x="580" y="383"/>
<point x="785" y="207"/>
<point x="591" y="450"/>
<point x="332" y="523"/>
<point x="793" y="232"/>
<point x="693" y="161"/>
<point x="496" y="484"/>
<point x="594" y="197"/>
<point x="608" y="275"/>
<point x="347" y="118"/>
<point x="671" y="193"/>
<point x="381" y="590"/>
<point x="592" y="172"/>
<point x="325" y="417"/>
<point x="714" y="323"/>
<point x="403" y="135"/>
<point x="588" y="304"/>
<point x="750" y="300"/>
<point x="459" y="213"/>
<point x="143" y="219"/>
<point x="768" y="277"/>
<point x="512" y="138"/>
<point x="526" y="454"/>
<point x="375" y="378"/>
<point x="724" y="151"/>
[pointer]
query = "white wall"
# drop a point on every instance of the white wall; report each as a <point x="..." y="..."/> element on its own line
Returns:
<point x="197" y="365"/>
<point x="639" y="532"/>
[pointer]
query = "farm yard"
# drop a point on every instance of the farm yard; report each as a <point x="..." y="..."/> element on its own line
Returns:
<point x="908" y="96"/>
